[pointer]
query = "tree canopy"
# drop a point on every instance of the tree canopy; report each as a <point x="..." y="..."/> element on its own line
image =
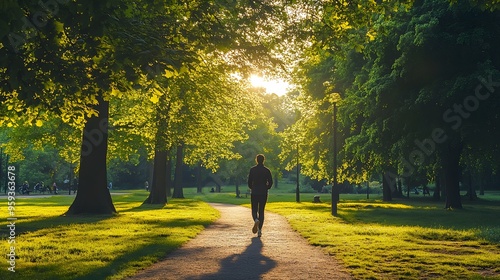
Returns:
<point x="414" y="97"/>
<point x="72" y="59"/>
<point x="414" y="83"/>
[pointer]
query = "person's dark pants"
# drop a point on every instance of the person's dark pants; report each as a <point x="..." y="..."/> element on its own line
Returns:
<point x="258" y="204"/>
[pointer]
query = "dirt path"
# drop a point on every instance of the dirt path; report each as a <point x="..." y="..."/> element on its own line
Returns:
<point x="227" y="249"/>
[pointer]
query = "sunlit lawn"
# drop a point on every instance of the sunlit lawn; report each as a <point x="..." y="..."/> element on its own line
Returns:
<point x="50" y="246"/>
<point x="403" y="239"/>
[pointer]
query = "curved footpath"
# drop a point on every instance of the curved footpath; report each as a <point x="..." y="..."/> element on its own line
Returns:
<point x="227" y="249"/>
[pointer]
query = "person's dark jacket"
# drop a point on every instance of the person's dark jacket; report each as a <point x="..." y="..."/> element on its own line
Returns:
<point x="260" y="179"/>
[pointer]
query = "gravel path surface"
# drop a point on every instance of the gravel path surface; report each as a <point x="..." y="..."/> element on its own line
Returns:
<point x="227" y="249"/>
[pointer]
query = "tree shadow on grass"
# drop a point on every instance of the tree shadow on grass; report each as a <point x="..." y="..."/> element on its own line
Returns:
<point x="145" y="254"/>
<point x="477" y="216"/>
<point x="175" y="204"/>
<point x="144" y="207"/>
<point x="56" y="221"/>
<point x="124" y="261"/>
<point x="153" y="251"/>
<point x="61" y="220"/>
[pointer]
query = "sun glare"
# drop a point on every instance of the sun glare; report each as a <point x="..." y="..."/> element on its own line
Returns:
<point x="276" y="86"/>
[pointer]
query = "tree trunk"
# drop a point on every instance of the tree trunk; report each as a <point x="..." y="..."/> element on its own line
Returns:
<point x="275" y="179"/>
<point x="158" y="188"/>
<point x="471" y="193"/>
<point x="178" y="192"/>
<point x="237" y="183"/>
<point x="481" y="185"/>
<point x="199" y="183"/>
<point x="451" y="176"/>
<point x="168" y="172"/>
<point x="387" y="186"/>
<point x="93" y="196"/>
<point x="400" y="187"/>
<point x="437" y="190"/>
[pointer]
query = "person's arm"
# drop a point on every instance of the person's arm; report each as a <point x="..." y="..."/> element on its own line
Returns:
<point x="250" y="179"/>
<point x="269" y="179"/>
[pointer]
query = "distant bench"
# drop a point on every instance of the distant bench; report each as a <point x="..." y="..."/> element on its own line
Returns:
<point x="247" y="193"/>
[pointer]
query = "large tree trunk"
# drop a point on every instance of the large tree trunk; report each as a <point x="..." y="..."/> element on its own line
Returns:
<point x="158" y="188"/>
<point x="400" y="187"/>
<point x="93" y="196"/>
<point x="169" y="172"/>
<point x="471" y="192"/>
<point x="481" y="185"/>
<point x="178" y="192"/>
<point x="451" y="176"/>
<point x="437" y="190"/>
<point x="388" y="185"/>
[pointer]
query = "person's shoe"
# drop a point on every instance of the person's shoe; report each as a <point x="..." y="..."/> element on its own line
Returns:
<point x="260" y="233"/>
<point x="255" y="226"/>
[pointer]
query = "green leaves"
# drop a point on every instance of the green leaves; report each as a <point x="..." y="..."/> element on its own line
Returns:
<point x="398" y="70"/>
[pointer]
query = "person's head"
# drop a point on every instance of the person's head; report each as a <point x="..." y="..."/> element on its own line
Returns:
<point x="260" y="159"/>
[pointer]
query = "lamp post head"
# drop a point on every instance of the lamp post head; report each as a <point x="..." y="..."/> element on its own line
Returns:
<point x="334" y="98"/>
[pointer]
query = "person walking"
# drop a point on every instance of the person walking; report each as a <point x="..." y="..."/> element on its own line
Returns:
<point x="260" y="181"/>
<point x="54" y="188"/>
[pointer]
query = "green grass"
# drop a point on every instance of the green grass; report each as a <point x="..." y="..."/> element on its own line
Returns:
<point x="51" y="246"/>
<point x="403" y="239"/>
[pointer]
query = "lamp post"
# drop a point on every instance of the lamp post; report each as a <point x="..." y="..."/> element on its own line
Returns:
<point x="368" y="190"/>
<point x="335" y="191"/>
<point x="297" y="189"/>
<point x="70" y="178"/>
<point x="334" y="99"/>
